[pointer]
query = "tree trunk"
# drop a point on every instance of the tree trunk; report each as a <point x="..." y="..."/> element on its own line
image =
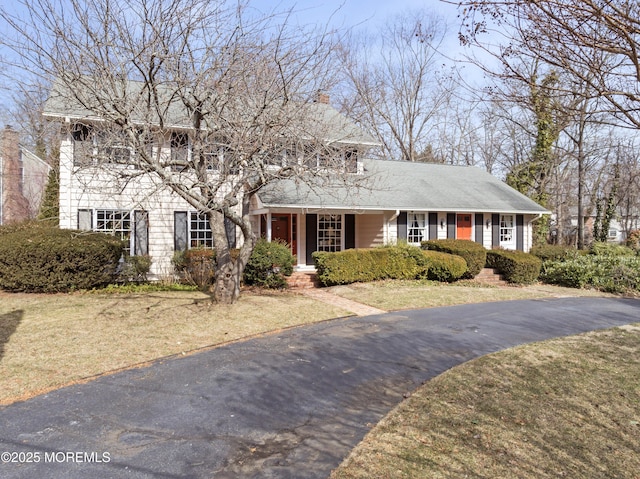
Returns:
<point x="226" y="288"/>
<point x="229" y="270"/>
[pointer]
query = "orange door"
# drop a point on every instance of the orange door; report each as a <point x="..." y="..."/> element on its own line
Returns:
<point x="464" y="229"/>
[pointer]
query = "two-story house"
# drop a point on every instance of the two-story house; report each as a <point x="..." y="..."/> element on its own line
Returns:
<point x="387" y="201"/>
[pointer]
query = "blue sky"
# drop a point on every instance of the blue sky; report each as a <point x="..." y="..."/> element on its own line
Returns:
<point x="342" y="13"/>
<point x="352" y="12"/>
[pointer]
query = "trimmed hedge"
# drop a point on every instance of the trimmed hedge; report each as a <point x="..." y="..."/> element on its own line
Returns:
<point x="445" y="267"/>
<point x="515" y="266"/>
<point x="389" y="262"/>
<point x="269" y="264"/>
<point x="49" y="260"/>
<point x="473" y="253"/>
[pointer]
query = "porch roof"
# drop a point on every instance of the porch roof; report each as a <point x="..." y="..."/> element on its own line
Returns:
<point x="397" y="185"/>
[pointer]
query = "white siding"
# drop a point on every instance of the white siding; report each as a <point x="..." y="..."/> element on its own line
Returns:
<point x="92" y="189"/>
<point x="369" y="230"/>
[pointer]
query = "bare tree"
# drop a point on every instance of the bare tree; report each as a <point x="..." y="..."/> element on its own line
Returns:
<point x="230" y="89"/>
<point x="395" y="85"/>
<point x="594" y="41"/>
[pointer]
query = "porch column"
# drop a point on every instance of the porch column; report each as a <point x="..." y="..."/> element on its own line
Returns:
<point x="268" y="232"/>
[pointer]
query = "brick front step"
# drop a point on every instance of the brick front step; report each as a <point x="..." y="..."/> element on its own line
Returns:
<point x="491" y="276"/>
<point x="302" y="280"/>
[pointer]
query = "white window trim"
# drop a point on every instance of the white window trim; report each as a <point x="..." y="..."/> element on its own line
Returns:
<point x="510" y="230"/>
<point x="329" y="248"/>
<point x="423" y="227"/>
<point x="199" y="217"/>
<point x="131" y="230"/>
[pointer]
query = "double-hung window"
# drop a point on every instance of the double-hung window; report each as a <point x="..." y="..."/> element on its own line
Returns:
<point x="116" y="223"/>
<point x="200" y="235"/>
<point x="180" y="154"/>
<point x="416" y="227"/>
<point x="330" y="233"/>
<point x="506" y="229"/>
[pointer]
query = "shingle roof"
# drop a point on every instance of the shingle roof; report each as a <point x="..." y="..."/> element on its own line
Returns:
<point x="397" y="185"/>
<point x="314" y="119"/>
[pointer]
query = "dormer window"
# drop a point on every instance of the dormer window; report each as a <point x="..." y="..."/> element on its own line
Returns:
<point x="113" y="147"/>
<point x="93" y="147"/>
<point x="179" y="151"/>
<point x="83" y="148"/>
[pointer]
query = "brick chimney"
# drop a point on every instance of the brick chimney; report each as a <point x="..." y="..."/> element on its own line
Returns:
<point x="14" y="206"/>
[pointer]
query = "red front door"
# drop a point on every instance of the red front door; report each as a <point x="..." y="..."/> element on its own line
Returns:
<point x="283" y="228"/>
<point x="464" y="228"/>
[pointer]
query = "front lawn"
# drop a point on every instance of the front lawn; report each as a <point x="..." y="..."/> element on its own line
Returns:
<point x="397" y="294"/>
<point x="47" y="341"/>
<point x="561" y="408"/>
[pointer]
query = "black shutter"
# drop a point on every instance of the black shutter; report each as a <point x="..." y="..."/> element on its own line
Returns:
<point x="433" y="226"/>
<point x="402" y="226"/>
<point x="520" y="232"/>
<point x="230" y="230"/>
<point x="495" y="230"/>
<point x="181" y="230"/>
<point x="349" y="231"/>
<point x="312" y="237"/>
<point x="451" y="225"/>
<point x="141" y="237"/>
<point x="479" y="227"/>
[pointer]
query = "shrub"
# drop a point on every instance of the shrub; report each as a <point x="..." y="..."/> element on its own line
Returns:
<point x="515" y="266"/>
<point x="362" y="265"/>
<point x="269" y="264"/>
<point x="47" y="259"/>
<point x="633" y="240"/>
<point x="135" y="268"/>
<point x="196" y="266"/>
<point x="615" y="274"/>
<point x="445" y="267"/>
<point x="473" y="253"/>
<point x="554" y="252"/>
<point x="572" y="273"/>
<point x="600" y="248"/>
<point x="388" y="262"/>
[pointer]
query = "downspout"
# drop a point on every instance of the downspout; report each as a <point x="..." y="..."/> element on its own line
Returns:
<point x="386" y="227"/>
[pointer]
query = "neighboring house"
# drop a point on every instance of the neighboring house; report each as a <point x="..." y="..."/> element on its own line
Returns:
<point x="23" y="178"/>
<point x="617" y="232"/>
<point x="388" y="202"/>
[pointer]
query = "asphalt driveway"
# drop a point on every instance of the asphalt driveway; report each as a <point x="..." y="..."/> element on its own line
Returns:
<point x="287" y="405"/>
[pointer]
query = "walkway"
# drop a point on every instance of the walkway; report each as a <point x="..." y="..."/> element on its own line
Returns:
<point x="287" y="405"/>
<point x="356" y="308"/>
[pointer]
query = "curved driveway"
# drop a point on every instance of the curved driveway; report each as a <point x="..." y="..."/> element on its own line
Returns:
<point x="287" y="405"/>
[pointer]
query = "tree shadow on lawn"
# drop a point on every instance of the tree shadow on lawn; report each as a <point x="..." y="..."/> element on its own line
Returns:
<point x="9" y="322"/>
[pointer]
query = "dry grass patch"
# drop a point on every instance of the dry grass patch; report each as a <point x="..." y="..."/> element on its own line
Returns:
<point x="562" y="408"/>
<point x="47" y="341"/>
<point x="395" y="295"/>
